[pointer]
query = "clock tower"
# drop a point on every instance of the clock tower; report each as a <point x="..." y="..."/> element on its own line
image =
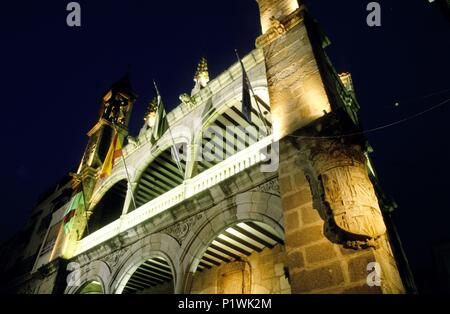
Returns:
<point x="114" y="115"/>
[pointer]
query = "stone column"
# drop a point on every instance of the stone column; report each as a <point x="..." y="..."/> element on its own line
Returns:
<point x="193" y="155"/>
<point x="336" y="240"/>
<point x="128" y="204"/>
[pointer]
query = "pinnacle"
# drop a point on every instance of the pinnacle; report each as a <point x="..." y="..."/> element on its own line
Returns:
<point x="202" y="69"/>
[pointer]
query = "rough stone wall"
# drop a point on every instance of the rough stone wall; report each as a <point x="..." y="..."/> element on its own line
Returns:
<point x="36" y="285"/>
<point x="265" y="270"/>
<point x="297" y="93"/>
<point x="47" y="285"/>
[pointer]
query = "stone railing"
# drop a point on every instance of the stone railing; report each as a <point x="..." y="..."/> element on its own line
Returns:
<point x="220" y="172"/>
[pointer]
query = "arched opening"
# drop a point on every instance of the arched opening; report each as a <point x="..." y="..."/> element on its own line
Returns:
<point x="247" y="257"/>
<point x="161" y="176"/>
<point x="230" y="133"/>
<point x="153" y="276"/>
<point x="92" y="287"/>
<point x="109" y="209"/>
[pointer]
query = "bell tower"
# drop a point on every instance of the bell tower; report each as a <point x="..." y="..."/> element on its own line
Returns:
<point x="114" y="115"/>
<point x="336" y="236"/>
<point x="115" y="112"/>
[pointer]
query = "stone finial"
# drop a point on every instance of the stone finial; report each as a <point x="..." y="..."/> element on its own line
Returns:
<point x="202" y="67"/>
<point x="201" y="77"/>
<point x="150" y="115"/>
<point x="346" y="79"/>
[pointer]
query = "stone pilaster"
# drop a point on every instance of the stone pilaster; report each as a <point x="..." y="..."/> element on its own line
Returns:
<point x="297" y="93"/>
<point x="128" y="205"/>
<point x="193" y="155"/>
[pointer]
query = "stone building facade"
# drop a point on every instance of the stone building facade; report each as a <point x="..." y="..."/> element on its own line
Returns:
<point x="294" y="208"/>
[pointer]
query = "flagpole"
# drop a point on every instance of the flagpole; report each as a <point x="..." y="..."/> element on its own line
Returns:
<point x="261" y="116"/>
<point x="126" y="172"/>
<point x="177" y="158"/>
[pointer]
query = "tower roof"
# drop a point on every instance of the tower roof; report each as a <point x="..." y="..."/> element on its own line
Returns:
<point x="123" y="85"/>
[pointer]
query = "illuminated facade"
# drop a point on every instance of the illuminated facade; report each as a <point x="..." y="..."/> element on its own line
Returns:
<point x="292" y="210"/>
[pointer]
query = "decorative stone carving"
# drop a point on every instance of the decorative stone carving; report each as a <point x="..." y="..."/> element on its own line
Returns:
<point x="349" y="193"/>
<point x="277" y="26"/>
<point x="113" y="258"/>
<point x="133" y="141"/>
<point x="180" y="230"/>
<point x="188" y="100"/>
<point x="90" y="153"/>
<point x="271" y="187"/>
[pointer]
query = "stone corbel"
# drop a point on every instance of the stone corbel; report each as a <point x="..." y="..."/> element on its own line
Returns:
<point x="279" y="28"/>
<point x="188" y="100"/>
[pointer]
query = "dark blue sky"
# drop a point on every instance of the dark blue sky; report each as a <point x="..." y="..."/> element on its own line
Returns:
<point x="52" y="78"/>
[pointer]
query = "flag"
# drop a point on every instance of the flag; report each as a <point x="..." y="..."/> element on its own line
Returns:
<point x="246" y="98"/>
<point x="71" y="212"/>
<point x="161" y="123"/>
<point x="161" y="126"/>
<point x="114" y="152"/>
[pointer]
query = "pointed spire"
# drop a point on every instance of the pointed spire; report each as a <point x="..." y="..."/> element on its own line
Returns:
<point x="201" y="77"/>
<point x="124" y="85"/>
<point x="152" y="105"/>
<point x="150" y="115"/>
<point x="202" y="70"/>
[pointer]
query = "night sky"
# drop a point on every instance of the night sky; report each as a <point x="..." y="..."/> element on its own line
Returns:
<point x="53" y="76"/>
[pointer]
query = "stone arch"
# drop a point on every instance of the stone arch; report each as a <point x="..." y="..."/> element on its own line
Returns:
<point x="162" y="145"/>
<point x="158" y="173"/>
<point x="233" y="96"/>
<point x="104" y="186"/>
<point x="109" y="208"/>
<point x="96" y="271"/>
<point x="227" y="130"/>
<point x="155" y="245"/>
<point x="249" y="206"/>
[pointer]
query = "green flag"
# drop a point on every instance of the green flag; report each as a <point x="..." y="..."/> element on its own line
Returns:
<point x="77" y="201"/>
<point x="161" y="123"/>
<point x="161" y="126"/>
